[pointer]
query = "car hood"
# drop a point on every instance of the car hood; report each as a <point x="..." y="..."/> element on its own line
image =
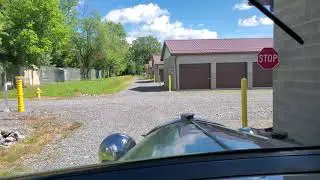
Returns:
<point x="185" y="137"/>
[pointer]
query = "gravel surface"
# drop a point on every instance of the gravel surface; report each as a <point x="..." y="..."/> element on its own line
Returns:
<point x="135" y="111"/>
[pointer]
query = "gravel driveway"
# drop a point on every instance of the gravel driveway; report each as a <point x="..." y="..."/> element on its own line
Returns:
<point x="135" y="111"/>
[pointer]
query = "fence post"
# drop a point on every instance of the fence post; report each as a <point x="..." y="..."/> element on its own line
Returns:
<point x="244" y="102"/>
<point x="169" y="82"/>
<point x="20" y="93"/>
<point x="5" y="94"/>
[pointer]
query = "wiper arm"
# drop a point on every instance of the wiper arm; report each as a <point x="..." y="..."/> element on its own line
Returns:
<point x="213" y="137"/>
<point x="277" y="21"/>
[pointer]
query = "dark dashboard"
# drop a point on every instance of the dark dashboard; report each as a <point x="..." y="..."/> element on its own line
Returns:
<point x="284" y="163"/>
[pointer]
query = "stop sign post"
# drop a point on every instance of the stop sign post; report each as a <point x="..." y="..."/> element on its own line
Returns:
<point x="268" y="58"/>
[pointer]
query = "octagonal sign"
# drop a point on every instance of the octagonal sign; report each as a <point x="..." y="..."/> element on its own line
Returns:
<point x="268" y="58"/>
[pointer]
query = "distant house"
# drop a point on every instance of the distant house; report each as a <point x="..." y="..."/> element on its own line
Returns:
<point x="145" y="68"/>
<point x="150" y="69"/>
<point x="214" y="63"/>
<point x="158" y="66"/>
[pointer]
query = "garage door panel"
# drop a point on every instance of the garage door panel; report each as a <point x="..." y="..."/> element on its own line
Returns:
<point x="194" y="76"/>
<point x="229" y="75"/>
<point x="261" y="77"/>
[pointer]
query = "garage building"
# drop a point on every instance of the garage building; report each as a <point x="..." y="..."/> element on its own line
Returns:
<point x="158" y="66"/>
<point x="214" y="63"/>
<point x="149" y="69"/>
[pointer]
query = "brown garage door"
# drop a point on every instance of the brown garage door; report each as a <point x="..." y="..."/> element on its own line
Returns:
<point x="229" y="74"/>
<point x="194" y="76"/>
<point x="261" y="78"/>
<point x="161" y="75"/>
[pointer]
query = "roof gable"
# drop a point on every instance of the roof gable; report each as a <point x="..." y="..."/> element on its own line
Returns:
<point x="156" y="59"/>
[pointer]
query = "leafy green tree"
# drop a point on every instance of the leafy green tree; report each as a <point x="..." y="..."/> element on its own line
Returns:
<point x="131" y="66"/>
<point x="141" y="50"/>
<point x="117" y="48"/>
<point x="68" y="8"/>
<point x="66" y="54"/>
<point x="33" y="30"/>
<point x="2" y="22"/>
<point x="86" y="42"/>
<point x="56" y="32"/>
<point x="112" y="48"/>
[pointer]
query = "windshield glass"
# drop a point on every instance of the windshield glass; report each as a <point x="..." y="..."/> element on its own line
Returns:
<point x="92" y="81"/>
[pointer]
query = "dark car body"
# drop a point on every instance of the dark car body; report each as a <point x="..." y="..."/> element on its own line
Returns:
<point x="189" y="135"/>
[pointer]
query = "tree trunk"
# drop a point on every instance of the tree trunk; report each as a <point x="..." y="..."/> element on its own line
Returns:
<point x="87" y="73"/>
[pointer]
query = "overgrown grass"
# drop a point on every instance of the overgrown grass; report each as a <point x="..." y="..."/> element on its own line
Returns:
<point x="45" y="131"/>
<point x="145" y="77"/>
<point x="76" y="88"/>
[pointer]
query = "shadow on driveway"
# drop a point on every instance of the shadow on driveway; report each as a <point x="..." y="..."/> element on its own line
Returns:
<point x="144" y="81"/>
<point x="148" y="89"/>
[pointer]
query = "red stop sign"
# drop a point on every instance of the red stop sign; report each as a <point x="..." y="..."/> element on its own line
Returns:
<point x="268" y="58"/>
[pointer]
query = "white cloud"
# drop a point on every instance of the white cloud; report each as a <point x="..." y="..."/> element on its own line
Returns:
<point x="81" y="2"/>
<point x="266" y="21"/>
<point x="243" y="6"/>
<point x="249" y="22"/>
<point x="254" y="21"/>
<point x="154" y="21"/>
<point x="141" y="13"/>
<point x="247" y="35"/>
<point x="162" y="28"/>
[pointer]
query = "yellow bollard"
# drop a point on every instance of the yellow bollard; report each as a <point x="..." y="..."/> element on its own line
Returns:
<point x="20" y="93"/>
<point x="244" y="109"/>
<point x="38" y="92"/>
<point x="169" y="82"/>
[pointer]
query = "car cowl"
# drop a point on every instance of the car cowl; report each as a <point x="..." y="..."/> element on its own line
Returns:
<point x="187" y="135"/>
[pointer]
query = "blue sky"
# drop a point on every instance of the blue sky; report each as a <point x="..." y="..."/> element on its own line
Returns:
<point x="184" y="19"/>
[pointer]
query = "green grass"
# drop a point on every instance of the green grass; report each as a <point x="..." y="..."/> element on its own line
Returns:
<point x="145" y="77"/>
<point x="76" y="88"/>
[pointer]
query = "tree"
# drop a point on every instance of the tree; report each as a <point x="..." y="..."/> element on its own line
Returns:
<point x="100" y="45"/>
<point x="141" y="50"/>
<point x="33" y="30"/>
<point x="2" y="59"/>
<point x="2" y="23"/>
<point x="112" y="48"/>
<point x="66" y="54"/>
<point x="61" y="33"/>
<point x="68" y="8"/>
<point x="117" y="48"/>
<point x="86" y="42"/>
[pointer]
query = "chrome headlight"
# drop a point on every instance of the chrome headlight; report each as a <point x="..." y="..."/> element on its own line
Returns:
<point x="115" y="146"/>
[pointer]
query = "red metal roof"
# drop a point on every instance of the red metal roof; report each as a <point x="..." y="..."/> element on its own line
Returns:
<point x="212" y="46"/>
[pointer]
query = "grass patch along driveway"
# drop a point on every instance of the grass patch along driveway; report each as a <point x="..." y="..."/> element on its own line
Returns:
<point x="77" y="88"/>
<point x="45" y="130"/>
